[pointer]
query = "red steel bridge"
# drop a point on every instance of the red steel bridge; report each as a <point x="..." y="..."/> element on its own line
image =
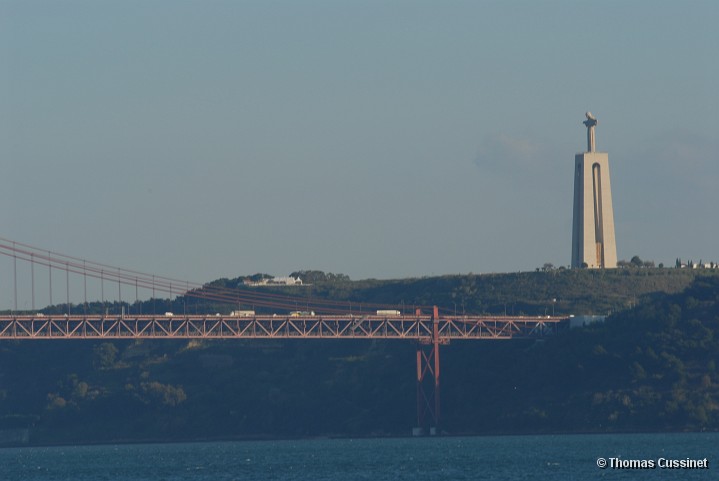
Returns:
<point x="428" y="327"/>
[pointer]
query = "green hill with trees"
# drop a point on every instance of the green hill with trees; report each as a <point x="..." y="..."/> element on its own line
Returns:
<point x="651" y="366"/>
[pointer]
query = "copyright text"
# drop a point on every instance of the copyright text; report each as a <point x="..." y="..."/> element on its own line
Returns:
<point x="659" y="463"/>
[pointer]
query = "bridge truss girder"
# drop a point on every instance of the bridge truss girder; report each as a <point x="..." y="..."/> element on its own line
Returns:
<point x="418" y="328"/>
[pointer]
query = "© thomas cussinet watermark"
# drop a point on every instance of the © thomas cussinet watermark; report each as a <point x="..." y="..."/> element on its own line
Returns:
<point x="656" y="463"/>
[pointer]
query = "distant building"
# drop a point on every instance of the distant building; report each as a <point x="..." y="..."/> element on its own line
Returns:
<point x="286" y="281"/>
<point x="276" y="281"/>
<point x="696" y="265"/>
<point x="583" y="321"/>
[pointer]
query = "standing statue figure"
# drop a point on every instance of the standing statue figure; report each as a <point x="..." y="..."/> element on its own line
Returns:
<point x="591" y="122"/>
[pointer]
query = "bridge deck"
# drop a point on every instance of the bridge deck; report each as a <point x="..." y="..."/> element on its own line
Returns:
<point x="419" y="328"/>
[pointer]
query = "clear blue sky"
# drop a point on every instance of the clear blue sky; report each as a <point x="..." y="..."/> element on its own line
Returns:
<point x="382" y="139"/>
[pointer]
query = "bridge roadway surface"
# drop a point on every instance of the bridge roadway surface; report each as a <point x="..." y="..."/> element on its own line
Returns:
<point x="418" y="327"/>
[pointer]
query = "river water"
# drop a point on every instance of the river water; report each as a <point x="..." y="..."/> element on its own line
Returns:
<point x="547" y="457"/>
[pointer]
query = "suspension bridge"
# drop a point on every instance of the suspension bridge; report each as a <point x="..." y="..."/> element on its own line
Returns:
<point x="428" y="327"/>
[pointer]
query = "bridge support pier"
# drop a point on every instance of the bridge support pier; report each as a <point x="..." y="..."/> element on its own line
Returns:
<point x="428" y="383"/>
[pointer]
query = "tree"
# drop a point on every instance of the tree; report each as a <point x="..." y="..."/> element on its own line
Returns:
<point x="259" y="277"/>
<point x="315" y="277"/>
<point x="105" y="355"/>
<point x="168" y="394"/>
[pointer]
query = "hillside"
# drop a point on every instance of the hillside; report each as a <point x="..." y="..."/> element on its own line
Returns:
<point x="532" y="293"/>
<point x="650" y="367"/>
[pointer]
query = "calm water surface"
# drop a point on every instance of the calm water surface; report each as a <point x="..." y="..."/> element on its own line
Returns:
<point x="498" y="458"/>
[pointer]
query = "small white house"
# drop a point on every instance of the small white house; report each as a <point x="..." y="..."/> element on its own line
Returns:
<point x="286" y="281"/>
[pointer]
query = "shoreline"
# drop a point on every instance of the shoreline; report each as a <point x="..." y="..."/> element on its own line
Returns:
<point x="270" y="438"/>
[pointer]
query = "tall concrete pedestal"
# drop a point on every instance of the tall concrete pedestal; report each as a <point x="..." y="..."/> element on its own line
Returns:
<point x="593" y="241"/>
